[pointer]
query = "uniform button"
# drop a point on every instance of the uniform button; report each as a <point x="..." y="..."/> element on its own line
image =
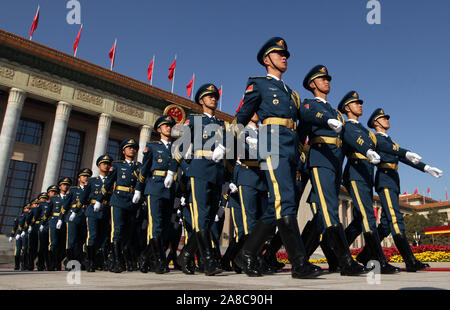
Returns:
<point x="290" y="108"/>
<point x="356" y="162"/>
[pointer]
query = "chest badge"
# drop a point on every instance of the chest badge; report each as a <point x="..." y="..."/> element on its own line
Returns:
<point x="276" y="101"/>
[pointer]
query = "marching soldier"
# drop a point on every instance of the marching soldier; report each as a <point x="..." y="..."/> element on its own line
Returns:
<point x="277" y="107"/>
<point x="97" y="217"/>
<point x="33" y="231"/>
<point x="26" y="236"/>
<point x="206" y="173"/>
<point x="56" y="229"/>
<point x="325" y="160"/>
<point x="124" y="175"/>
<point x="73" y="214"/>
<point x="158" y="172"/>
<point x="43" y="255"/>
<point x="387" y="185"/>
<point x="358" y="179"/>
<point x="15" y="236"/>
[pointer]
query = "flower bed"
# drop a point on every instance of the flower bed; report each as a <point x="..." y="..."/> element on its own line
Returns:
<point x="424" y="253"/>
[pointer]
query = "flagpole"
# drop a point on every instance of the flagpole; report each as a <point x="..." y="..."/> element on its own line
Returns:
<point x="153" y="61"/>
<point x="37" y="12"/>
<point x="192" y="90"/>
<point x="114" y="54"/>
<point x="75" y="54"/>
<point x="221" y="95"/>
<point x="174" y="69"/>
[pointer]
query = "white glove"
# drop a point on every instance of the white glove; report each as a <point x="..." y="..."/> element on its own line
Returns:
<point x="373" y="157"/>
<point x="41" y="228"/>
<point x="17" y="237"/>
<point x="58" y="224"/>
<point x="433" y="171"/>
<point x="30" y="229"/>
<point x="22" y="234"/>
<point x="72" y="216"/>
<point x="97" y="206"/>
<point x="252" y="142"/>
<point x="136" y="196"/>
<point x="413" y="157"/>
<point x="233" y="188"/>
<point x="217" y="218"/>
<point x="219" y="153"/>
<point x="335" y="124"/>
<point x="182" y="201"/>
<point x="169" y="179"/>
<point x="179" y="213"/>
<point x="10" y="239"/>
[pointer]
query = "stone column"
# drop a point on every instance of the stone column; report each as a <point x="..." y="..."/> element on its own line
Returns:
<point x="101" y="142"/>
<point x="13" y="111"/>
<point x="144" y="137"/>
<point x="56" y="144"/>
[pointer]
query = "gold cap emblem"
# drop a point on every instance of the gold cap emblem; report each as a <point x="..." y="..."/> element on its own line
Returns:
<point x="211" y="87"/>
<point x="323" y="69"/>
<point x="281" y="44"/>
<point x="355" y="95"/>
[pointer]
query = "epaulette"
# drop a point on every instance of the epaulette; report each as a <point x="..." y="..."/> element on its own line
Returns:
<point x="260" y="77"/>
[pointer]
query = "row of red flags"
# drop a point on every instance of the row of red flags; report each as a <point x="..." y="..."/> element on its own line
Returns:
<point x="112" y="57"/>
<point x="416" y="192"/>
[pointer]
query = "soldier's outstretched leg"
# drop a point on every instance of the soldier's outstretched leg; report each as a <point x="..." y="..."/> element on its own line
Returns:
<point x="412" y="264"/>
<point x="374" y="245"/>
<point x="290" y="235"/>
<point x="338" y="243"/>
<point x="211" y="265"/>
<point x="225" y="260"/>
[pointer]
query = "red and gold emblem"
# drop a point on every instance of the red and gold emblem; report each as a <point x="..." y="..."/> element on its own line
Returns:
<point x="176" y="112"/>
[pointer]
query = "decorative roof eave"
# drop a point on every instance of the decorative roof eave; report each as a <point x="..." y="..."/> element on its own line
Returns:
<point x="32" y="54"/>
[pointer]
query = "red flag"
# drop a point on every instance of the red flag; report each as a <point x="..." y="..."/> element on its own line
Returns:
<point x="240" y="104"/>
<point x="150" y="70"/>
<point x="406" y="196"/>
<point x="172" y="69"/>
<point x="77" y="40"/>
<point x="220" y="91"/>
<point x="416" y="192"/>
<point x="189" y="86"/>
<point x="112" y="54"/>
<point x="35" y="23"/>
<point x="428" y="190"/>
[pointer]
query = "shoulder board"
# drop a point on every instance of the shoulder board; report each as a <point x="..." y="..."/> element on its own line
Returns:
<point x="260" y="77"/>
<point x="118" y="161"/>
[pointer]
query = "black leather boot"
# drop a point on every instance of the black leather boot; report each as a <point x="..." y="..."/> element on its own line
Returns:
<point x="211" y="266"/>
<point x="158" y="255"/>
<point x="225" y="260"/>
<point x="51" y="261"/>
<point x="332" y="261"/>
<point x="236" y="255"/>
<point x="24" y="265"/>
<point x="91" y="259"/>
<point x="186" y="257"/>
<point x="339" y="245"/>
<point x="117" y="256"/>
<point x="69" y="257"/>
<point x="255" y="241"/>
<point x="310" y="238"/>
<point x="270" y="256"/>
<point x="412" y="264"/>
<point x="144" y="259"/>
<point x="17" y="262"/>
<point x="290" y="236"/>
<point x="373" y="243"/>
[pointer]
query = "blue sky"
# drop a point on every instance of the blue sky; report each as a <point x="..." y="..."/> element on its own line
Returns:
<point x="401" y="65"/>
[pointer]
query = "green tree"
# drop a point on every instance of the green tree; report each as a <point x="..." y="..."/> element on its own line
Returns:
<point x="417" y="223"/>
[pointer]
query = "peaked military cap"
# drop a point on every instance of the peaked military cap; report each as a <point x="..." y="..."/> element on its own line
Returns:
<point x="42" y="195"/>
<point x="67" y="181"/>
<point x="130" y="142"/>
<point x="275" y="44"/>
<point x="53" y="188"/>
<point x="351" y="96"/>
<point x="164" y="119"/>
<point x="314" y="73"/>
<point x="378" y="113"/>
<point x="85" y="172"/>
<point x="104" y="159"/>
<point x="206" y="89"/>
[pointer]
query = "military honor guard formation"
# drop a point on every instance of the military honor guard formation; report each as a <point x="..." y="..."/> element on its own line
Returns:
<point x="132" y="214"/>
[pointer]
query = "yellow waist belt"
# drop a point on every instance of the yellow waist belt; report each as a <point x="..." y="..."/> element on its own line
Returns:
<point x="249" y="163"/>
<point x="37" y="222"/>
<point x="286" y="122"/>
<point x="358" y="156"/>
<point x="104" y="202"/>
<point x="161" y="173"/>
<point x="55" y="213"/>
<point x="327" y="140"/>
<point x="388" y="166"/>
<point x="125" y="189"/>
<point x="202" y="153"/>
